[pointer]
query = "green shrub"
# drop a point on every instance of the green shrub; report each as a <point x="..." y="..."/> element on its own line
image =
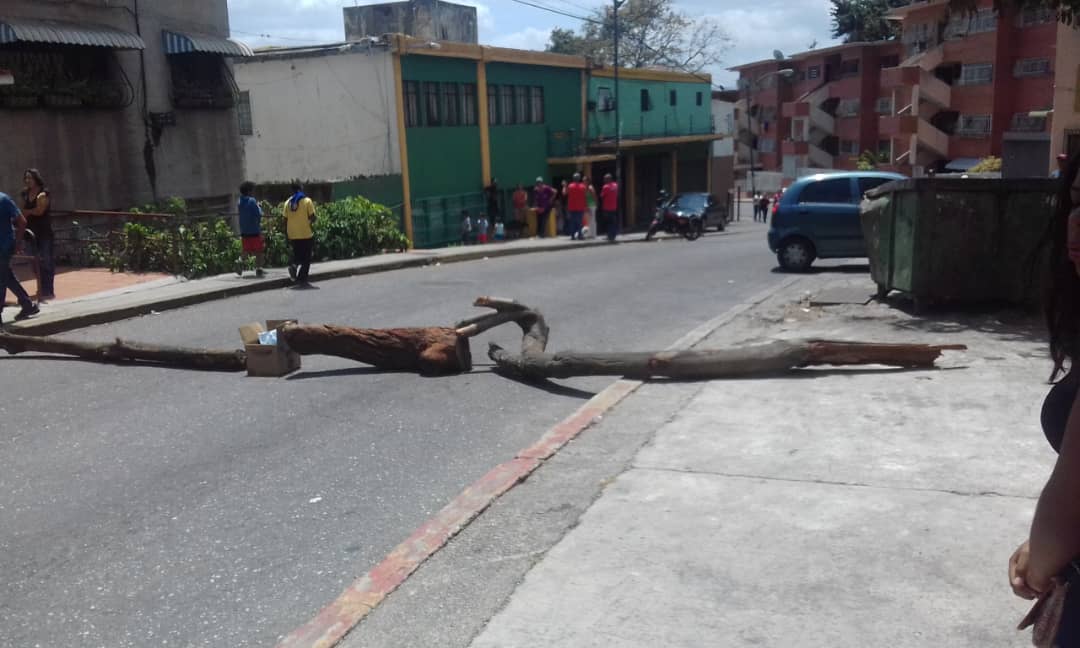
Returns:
<point x="345" y="229"/>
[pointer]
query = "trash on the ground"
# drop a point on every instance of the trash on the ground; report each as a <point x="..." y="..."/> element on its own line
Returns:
<point x="315" y="500"/>
<point x="266" y="358"/>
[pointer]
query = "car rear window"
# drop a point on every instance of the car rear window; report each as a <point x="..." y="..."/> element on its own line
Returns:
<point x="827" y="191"/>
<point x="866" y="184"/>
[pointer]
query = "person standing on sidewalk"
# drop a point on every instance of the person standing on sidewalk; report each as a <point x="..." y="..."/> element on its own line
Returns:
<point x="12" y="228"/>
<point x="251" y="237"/>
<point x="590" y="208"/>
<point x="299" y="216"/>
<point x="1052" y="552"/>
<point x="543" y="197"/>
<point x="609" y="205"/>
<point x="575" y="206"/>
<point x="38" y="213"/>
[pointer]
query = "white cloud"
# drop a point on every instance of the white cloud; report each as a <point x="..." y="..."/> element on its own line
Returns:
<point x="530" y="38"/>
<point x="485" y="20"/>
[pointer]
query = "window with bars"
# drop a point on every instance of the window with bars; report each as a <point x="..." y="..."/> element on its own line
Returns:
<point x="973" y="126"/>
<point x="1032" y="67"/>
<point x="243" y="113"/>
<point x="849" y="147"/>
<point x="673" y="98"/>
<point x="646" y="100"/>
<point x="976" y="73"/>
<point x="506" y="105"/>
<point x="493" y="105"/>
<point x="536" y="104"/>
<point x="965" y="24"/>
<point x="432" y="104"/>
<point x="451" y="105"/>
<point x="849" y="68"/>
<point x="699" y="98"/>
<point x="813" y="72"/>
<point x="468" y="107"/>
<point x="884" y="106"/>
<point x="1032" y="16"/>
<point x="847" y="108"/>
<point x="521" y="105"/>
<point x="605" y="102"/>
<point x="1025" y="123"/>
<point x="412" y="104"/>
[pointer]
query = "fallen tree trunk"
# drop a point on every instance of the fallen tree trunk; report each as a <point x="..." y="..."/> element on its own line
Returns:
<point x="432" y="351"/>
<point x="753" y="360"/>
<point x="121" y="351"/>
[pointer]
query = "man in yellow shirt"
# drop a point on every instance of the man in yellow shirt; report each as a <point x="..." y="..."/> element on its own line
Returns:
<point x="299" y="215"/>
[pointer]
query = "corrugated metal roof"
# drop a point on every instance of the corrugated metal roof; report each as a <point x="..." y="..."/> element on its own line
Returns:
<point x="25" y="30"/>
<point x="185" y="43"/>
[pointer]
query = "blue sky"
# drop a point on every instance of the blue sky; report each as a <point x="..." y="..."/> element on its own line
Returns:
<point x="756" y="27"/>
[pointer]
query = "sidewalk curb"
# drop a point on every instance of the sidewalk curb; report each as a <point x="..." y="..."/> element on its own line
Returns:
<point x="105" y="316"/>
<point x="336" y="620"/>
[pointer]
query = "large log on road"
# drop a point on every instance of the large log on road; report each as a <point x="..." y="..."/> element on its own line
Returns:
<point x="432" y="351"/>
<point x="122" y="351"/>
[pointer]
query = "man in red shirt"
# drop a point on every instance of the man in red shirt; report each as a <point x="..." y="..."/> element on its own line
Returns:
<point x="575" y="206"/>
<point x="609" y="205"/>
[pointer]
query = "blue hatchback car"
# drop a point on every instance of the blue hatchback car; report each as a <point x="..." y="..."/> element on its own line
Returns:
<point x="818" y="218"/>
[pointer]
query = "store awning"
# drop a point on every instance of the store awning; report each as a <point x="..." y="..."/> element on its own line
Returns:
<point x="58" y="32"/>
<point x="187" y="43"/>
<point x="962" y="164"/>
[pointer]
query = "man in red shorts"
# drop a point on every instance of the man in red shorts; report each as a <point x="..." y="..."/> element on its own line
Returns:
<point x="251" y="237"/>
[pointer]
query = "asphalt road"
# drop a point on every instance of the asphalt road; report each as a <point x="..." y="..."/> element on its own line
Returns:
<point x="143" y="506"/>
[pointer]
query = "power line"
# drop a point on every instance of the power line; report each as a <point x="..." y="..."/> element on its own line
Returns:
<point x="271" y="36"/>
<point x="638" y="40"/>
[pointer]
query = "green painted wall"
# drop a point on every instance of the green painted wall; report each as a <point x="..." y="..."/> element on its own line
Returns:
<point x="443" y="160"/>
<point x="385" y="190"/>
<point x="663" y="120"/>
<point x="519" y="152"/>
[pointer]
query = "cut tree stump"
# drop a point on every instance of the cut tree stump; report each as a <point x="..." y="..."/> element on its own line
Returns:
<point x="432" y="351"/>
<point x="121" y="352"/>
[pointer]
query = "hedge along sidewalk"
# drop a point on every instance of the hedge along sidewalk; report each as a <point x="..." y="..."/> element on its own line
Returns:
<point x="113" y="306"/>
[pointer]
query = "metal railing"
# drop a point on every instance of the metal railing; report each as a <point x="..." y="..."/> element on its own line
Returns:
<point x="437" y="219"/>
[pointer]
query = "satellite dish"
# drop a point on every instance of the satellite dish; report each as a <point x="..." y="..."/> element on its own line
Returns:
<point x="778" y="55"/>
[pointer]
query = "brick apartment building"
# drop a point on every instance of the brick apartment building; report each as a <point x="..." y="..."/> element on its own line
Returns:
<point x="953" y="89"/>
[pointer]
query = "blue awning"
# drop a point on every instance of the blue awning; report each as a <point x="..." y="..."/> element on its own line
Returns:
<point x="187" y="43"/>
<point x="58" y="32"/>
<point x="962" y="164"/>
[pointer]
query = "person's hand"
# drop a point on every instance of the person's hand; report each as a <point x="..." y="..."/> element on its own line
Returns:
<point x="1018" y="573"/>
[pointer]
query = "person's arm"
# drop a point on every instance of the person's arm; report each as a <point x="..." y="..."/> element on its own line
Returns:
<point x="40" y="206"/>
<point x="20" y="229"/>
<point x="311" y="210"/>
<point x="1055" y="532"/>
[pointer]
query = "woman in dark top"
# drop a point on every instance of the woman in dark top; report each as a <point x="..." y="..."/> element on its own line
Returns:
<point x="1054" y="541"/>
<point x="36" y="208"/>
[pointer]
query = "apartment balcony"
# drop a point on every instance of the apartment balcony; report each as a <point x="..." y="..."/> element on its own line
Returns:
<point x="924" y="85"/>
<point x="922" y="134"/>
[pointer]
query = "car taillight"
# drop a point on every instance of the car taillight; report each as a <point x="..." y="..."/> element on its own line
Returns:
<point x="776" y="207"/>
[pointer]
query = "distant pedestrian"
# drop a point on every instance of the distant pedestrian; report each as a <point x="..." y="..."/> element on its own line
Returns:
<point x="491" y="195"/>
<point x="38" y="212"/>
<point x="590" y="208"/>
<point x="764" y="203"/>
<point x="576" y="204"/>
<point x="543" y="201"/>
<point x="482" y="226"/>
<point x="252" y="243"/>
<point x="609" y="205"/>
<point x="466" y="227"/>
<point x="757" y="206"/>
<point x="560" y="205"/>
<point x="12" y="228"/>
<point x="299" y="216"/>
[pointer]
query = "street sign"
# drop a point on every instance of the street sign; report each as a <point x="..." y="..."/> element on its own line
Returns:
<point x="6" y="77"/>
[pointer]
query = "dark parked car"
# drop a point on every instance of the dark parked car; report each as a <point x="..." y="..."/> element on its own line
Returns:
<point x="818" y="218"/>
<point x="711" y="210"/>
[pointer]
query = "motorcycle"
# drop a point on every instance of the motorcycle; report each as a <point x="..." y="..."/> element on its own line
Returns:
<point x="675" y="221"/>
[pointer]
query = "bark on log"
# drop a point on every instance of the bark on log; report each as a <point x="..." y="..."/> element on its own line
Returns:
<point x="754" y="360"/>
<point x="433" y="351"/>
<point x="121" y="351"/>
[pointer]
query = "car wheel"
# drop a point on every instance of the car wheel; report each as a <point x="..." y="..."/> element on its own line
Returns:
<point x="796" y="255"/>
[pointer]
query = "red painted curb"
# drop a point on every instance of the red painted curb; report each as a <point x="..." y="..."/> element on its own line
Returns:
<point x="335" y="621"/>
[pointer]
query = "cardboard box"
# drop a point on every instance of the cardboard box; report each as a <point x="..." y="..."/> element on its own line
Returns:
<point x="266" y="360"/>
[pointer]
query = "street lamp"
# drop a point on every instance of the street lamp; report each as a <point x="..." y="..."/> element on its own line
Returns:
<point x="783" y="74"/>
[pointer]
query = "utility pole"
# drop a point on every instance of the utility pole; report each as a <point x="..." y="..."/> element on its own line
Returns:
<point x="618" y="125"/>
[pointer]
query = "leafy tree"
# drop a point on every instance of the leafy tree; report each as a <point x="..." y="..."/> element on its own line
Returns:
<point x="652" y="33"/>
<point x="859" y="21"/>
<point x="1068" y="10"/>
<point x="867" y="161"/>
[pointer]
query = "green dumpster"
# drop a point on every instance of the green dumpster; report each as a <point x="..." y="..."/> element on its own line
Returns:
<point x="958" y="240"/>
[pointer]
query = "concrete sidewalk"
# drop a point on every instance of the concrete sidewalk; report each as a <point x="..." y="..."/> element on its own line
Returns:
<point x="863" y="507"/>
<point x="174" y="292"/>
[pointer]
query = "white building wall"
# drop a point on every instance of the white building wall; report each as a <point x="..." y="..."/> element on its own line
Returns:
<point x="724" y="121"/>
<point x="323" y="116"/>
